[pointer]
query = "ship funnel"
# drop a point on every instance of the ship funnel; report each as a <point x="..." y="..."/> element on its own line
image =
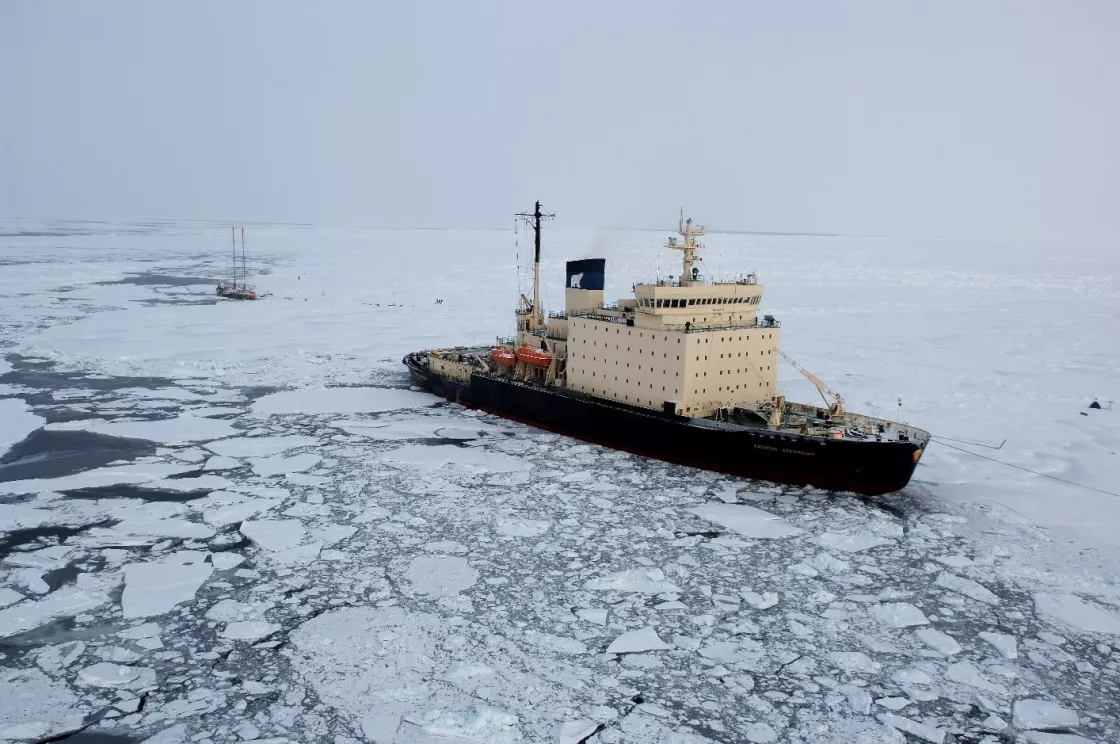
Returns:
<point x="583" y="284"/>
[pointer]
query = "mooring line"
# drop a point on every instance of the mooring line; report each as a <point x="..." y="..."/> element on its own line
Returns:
<point x="1033" y="472"/>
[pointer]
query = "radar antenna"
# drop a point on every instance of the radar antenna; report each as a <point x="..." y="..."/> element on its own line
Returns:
<point x="689" y="232"/>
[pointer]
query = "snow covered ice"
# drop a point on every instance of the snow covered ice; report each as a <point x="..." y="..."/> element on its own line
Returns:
<point x="224" y="522"/>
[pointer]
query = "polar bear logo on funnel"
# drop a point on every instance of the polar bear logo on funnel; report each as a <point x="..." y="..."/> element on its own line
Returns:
<point x="576" y="279"/>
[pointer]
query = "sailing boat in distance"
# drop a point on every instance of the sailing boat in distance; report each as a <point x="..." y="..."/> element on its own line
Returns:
<point x="234" y="289"/>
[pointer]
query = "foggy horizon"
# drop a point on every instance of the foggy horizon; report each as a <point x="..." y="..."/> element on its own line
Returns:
<point x="866" y="118"/>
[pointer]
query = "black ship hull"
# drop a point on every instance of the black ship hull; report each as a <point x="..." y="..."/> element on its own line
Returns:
<point x="861" y="466"/>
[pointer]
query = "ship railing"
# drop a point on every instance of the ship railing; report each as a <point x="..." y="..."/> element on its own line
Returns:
<point x="591" y="314"/>
<point x="730" y="325"/>
<point x="558" y="316"/>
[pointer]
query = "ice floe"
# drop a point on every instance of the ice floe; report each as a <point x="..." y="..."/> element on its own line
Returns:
<point x="1073" y="610"/>
<point x="263" y="446"/>
<point x="267" y="466"/>
<point x="1030" y="713"/>
<point x="341" y="400"/>
<point x="1005" y="644"/>
<point x="852" y="543"/>
<point x="637" y="641"/>
<point x="183" y="429"/>
<point x="155" y="587"/>
<point x="274" y="534"/>
<point x="746" y="520"/>
<point x="638" y="580"/>
<point x="16" y="422"/>
<point x="967" y="587"/>
<point x="34" y="707"/>
<point x="440" y="575"/>
<point x="107" y="674"/>
<point x="899" y="614"/>
<point x="938" y="641"/>
<point x="66" y="602"/>
<point x="469" y="460"/>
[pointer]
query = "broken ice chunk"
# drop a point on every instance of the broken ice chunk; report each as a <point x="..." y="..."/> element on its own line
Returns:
<point x="597" y="616"/>
<point x="106" y="674"/>
<point x="637" y="641"/>
<point x="899" y="614"/>
<point x="851" y="543"/>
<point x="746" y="520"/>
<point x="938" y="641"/>
<point x="1005" y="644"/>
<point x="914" y="728"/>
<point x="1031" y="713"/>
<point x="638" y="580"/>
<point x="967" y="587"/>
<point x="1074" y="611"/>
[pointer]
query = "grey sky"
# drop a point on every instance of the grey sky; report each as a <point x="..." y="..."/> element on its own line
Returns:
<point x="957" y="117"/>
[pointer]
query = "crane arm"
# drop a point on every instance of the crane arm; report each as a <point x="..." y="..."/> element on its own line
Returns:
<point x="836" y="406"/>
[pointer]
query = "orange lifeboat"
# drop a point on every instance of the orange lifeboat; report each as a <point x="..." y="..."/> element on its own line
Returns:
<point x="502" y="355"/>
<point x="534" y="357"/>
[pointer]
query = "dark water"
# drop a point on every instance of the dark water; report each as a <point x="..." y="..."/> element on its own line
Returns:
<point x="51" y="454"/>
<point x="132" y="491"/>
<point x="43" y="537"/>
<point x="148" y="280"/>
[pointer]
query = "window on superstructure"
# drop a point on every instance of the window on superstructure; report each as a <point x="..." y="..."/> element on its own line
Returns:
<point x="692" y="302"/>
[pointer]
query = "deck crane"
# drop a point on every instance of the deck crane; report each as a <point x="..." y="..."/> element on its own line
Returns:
<point x="836" y="408"/>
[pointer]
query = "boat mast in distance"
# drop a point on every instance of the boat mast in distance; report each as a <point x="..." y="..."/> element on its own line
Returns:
<point x="689" y="232"/>
<point x="533" y="309"/>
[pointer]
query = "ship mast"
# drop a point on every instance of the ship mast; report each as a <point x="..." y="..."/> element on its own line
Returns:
<point x="233" y="244"/>
<point x="689" y="232"/>
<point x="244" y="265"/>
<point x="536" y="319"/>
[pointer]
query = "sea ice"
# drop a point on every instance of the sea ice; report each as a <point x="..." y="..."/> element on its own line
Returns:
<point x="32" y="706"/>
<point x="1005" y="644"/>
<point x="853" y="543"/>
<point x="440" y="575"/>
<point x="65" y="602"/>
<point x="938" y="641"/>
<point x="183" y="429"/>
<point x="16" y="422"/>
<point x="107" y="476"/>
<point x="746" y="520"/>
<point x="520" y="527"/>
<point x="9" y="596"/>
<point x="155" y="587"/>
<point x="899" y="614"/>
<point x="274" y="534"/>
<point x="1031" y="713"/>
<point x="220" y="462"/>
<point x="967" y="587"/>
<point x="249" y="630"/>
<point x="760" y="733"/>
<point x="966" y="673"/>
<point x="267" y="466"/>
<point x="597" y="616"/>
<point x="638" y="580"/>
<point x="341" y="400"/>
<point x="556" y="643"/>
<point x="853" y="662"/>
<point x="472" y="460"/>
<point x="573" y="732"/>
<point x="259" y="446"/>
<point x="1074" y="611"/>
<point x="637" y="641"/>
<point x="914" y="728"/>
<point x="106" y="674"/>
